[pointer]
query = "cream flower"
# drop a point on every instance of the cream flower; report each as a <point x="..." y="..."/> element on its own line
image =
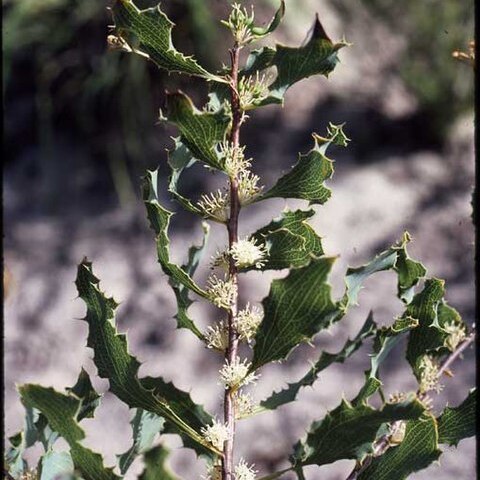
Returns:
<point x="222" y="293"/>
<point x="215" y="205"/>
<point x="235" y="374"/>
<point x="216" y="434"/>
<point x="244" y="472"/>
<point x="247" y="322"/>
<point x="244" y="405"/>
<point x="247" y="253"/>
<point x="214" y="472"/>
<point x="429" y="375"/>
<point x="456" y="334"/>
<point x="216" y="336"/>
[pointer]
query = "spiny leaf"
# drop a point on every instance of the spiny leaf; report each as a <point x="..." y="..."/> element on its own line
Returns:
<point x="396" y="257"/>
<point x="297" y="308"/>
<point x="317" y="57"/>
<point x="149" y="33"/>
<point x="385" y="339"/>
<point x="457" y="423"/>
<point x="37" y="429"/>
<point x="433" y="315"/>
<point x="291" y="241"/>
<point x="145" y="427"/>
<point x="200" y="131"/>
<point x="113" y="360"/>
<point x="349" y="431"/>
<point x="56" y="465"/>
<point x="180" y="277"/>
<point x="306" y="179"/>
<point x="155" y="468"/>
<point x="179" y="159"/>
<point x="61" y="411"/>
<point x="289" y="394"/>
<point x="182" y="403"/>
<point x="260" y="32"/>
<point x="418" y="450"/>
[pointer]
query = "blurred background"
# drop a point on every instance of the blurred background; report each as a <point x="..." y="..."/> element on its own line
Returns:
<point x="80" y="129"/>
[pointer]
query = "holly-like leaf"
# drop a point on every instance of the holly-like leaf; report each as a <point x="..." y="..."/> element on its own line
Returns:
<point x="297" y="307"/>
<point x="180" y="277"/>
<point x="385" y="339"/>
<point x="145" y="427"/>
<point x="349" y="431"/>
<point x="149" y="33"/>
<point x="180" y="159"/>
<point x="318" y="56"/>
<point x="417" y="451"/>
<point x="433" y="314"/>
<point x="306" y="179"/>
<point x="89" y="398"/>
<point x="260" y="32"/>
<point x="114" y="362"/>
<point x="56" y="465"/>
<point x="200" y="131"/>
<point x="291" y="241"/>
<point x="37" y="429"/>
<point x="289" y="394"/>
<point x="396" y="257"/>
<point x="457" y="423"/>
<point x="61" y="412"/>
<point x="155" y="465"/>
<point x="182" y="403"/>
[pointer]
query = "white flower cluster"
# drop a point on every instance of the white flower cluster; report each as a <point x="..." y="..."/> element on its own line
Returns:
<point x="234" y="159"/>
<point x="214" y="472"/>
<point x="240" y="24"/>
<point x="244" y="405"/>
<point x="216" y="434"/>
<point x="215" y="205"/>
<point x="246" y="253"/>
<point x="222" y="293"/>
<point x="247" y="321"/>
<point x="429" y="375"/>
<point x="456" y="334"/>
<point x="252" y="90"/>
<point x="244" y="472"/>
<point x="216" y="336"/>
<point x="248" y="188"/>
<point x="236" y="373"/>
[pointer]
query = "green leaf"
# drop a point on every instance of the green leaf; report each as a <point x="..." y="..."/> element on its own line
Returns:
<point x="317" y="57"/>
<point x="195" y="253"/>
<point x="417" y="451"/>
<point x="385" y="339"/>
<point x="145" y="427"/>
<point x="297" y="308"/>
<point x="155" y="468"/>
<point x="179" y="159"/>
<point x="291" y="241"/>
<point x="149" y="33"/>
<point x="306" y="179"/>
<point x="396" y="257"/>
<point x="182" y="403"/>
<point x="89" y="398"/>
<point x="61" y="411"/>
<point x="289" y="394"/>
<point x="349" y="431"/>
<point x="260" y="32"/>
<point x="114" y="362"/>
<point x="433" y="314"/>
<point x="457" y="423"/>
<point x="200" y="131"/>
<point x="180" y="277"/>
<point x="55" y="465"/>
<point x="37" y="429"/>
